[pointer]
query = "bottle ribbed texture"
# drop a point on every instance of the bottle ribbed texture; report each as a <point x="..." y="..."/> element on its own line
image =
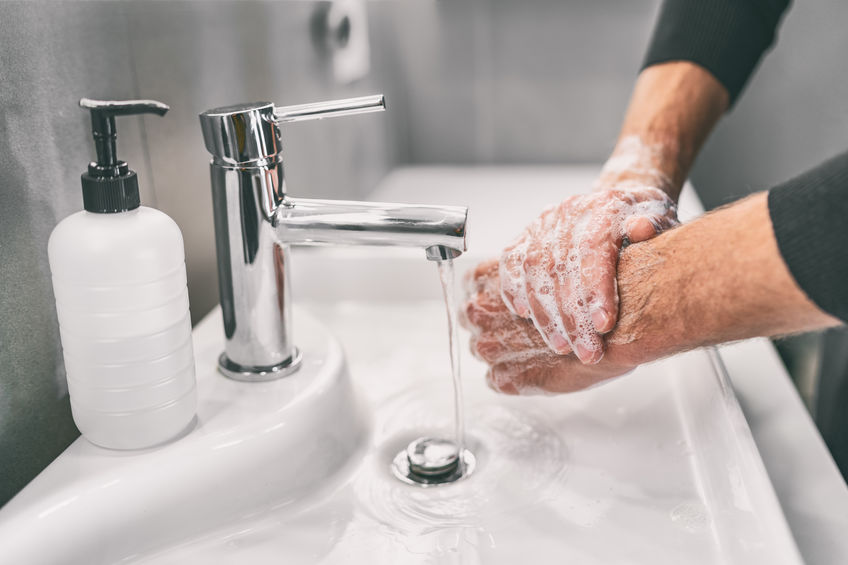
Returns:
<point x="121" y="359"/>
<point x="121" y="299"/>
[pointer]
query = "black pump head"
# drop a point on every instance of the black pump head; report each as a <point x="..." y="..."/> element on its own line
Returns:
<point x="109" y="185"/>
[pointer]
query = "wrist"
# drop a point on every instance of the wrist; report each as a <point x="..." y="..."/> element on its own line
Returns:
<point x="650" y="325"/>
<point x="638" y="163"/>
<point x="672" y="110"/>
<point x="719" y="278"/>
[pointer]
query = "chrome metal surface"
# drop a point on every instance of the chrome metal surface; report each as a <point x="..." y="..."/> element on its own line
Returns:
<point x="259" y="374"/>
<point x="331" y="109"/>
<point x="244" y="133"/>
<point x="372" y="223"/>
<point x="249" y="133"/>
<point x="255" y="223"/>
<point x="441" y="253"/>
<point x="432" y="456"/>
<point x="402" y="469"/>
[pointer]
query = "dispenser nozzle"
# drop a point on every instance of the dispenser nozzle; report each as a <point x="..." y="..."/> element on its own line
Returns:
<point x="109" y="185"/>
<point x="103" y="114"/>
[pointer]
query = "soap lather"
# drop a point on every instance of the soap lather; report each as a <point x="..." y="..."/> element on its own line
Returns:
<point x="119" y="281"/>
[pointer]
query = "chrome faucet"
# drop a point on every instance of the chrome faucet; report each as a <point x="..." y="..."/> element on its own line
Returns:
<point x="256" y="222"/>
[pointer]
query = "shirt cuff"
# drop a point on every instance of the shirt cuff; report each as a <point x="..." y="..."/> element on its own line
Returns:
<point x="726" y="37"/>
<point x="809" y="215"/>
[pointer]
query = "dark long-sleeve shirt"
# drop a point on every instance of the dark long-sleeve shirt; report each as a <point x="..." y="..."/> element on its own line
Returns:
<point x="810" y="212"/>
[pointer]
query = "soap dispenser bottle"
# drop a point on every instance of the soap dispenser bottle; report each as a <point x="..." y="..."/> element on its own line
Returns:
<point x="119" y="281"/>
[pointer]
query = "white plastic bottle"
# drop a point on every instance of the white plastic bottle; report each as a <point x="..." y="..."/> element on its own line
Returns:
<point x="120" y="286"/>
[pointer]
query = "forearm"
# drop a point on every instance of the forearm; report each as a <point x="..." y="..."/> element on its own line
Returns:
<point x="673" y="108"/>
<point x="719" y="278"/>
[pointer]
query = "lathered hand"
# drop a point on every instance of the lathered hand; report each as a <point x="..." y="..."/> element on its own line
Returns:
<point x="519" y="360"/>
<point x="676" y="294"/>
<point x="561" y="272"/>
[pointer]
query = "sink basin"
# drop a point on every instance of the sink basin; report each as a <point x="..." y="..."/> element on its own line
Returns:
<point x="253" y="447"/>
<point x="655" y="467"/>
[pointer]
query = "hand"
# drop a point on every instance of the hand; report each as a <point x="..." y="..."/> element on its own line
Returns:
<point x="520" y="361"/>
<point x="561" y="272"/>
<point x="572" y="250"/>
<point x="676" y="294"/>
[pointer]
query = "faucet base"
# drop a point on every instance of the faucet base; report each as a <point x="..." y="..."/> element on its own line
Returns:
<point x="238" y="372"/>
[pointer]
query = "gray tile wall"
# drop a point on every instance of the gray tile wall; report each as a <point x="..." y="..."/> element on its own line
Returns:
<point x="547" y="81"/>
<point x="199" y="55"/>
<point x="537" y="81"/>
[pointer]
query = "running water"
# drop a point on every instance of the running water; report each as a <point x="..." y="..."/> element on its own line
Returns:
<point x="446" y="274"/>
<point x="429" y="461"/>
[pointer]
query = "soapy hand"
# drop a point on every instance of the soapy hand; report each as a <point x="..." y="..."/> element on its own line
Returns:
<point x="561" y="272"/>
<point x="519" y="360"/>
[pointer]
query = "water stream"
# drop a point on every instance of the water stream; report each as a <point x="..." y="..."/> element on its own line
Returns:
<point x="446" y="274"/>
<point x="429" y="461"/>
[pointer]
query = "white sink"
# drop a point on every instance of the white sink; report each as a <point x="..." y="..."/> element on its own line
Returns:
<point x="254" y="447"/>
<point x="656" y="467"/>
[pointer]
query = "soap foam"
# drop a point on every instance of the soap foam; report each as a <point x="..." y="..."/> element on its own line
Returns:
<point x="550" y="274"/>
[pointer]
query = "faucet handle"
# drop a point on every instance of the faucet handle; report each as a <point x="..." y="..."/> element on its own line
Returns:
<point x="331" y="109"/>
<point x="247" y="133"/>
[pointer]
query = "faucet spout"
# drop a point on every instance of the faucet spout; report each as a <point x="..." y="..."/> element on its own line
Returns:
<point x="256" y="222"/>
<point x="306" y="221"/>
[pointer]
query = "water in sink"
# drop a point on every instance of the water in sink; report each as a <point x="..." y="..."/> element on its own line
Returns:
<point x="434" y="461"/>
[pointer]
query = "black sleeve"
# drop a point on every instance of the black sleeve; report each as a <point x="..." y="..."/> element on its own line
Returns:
<point x="810" y="218"/>
<point x="726" y="37"/>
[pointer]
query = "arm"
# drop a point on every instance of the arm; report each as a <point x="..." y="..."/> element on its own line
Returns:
<point x="676" y="294"/>
<point x="673" y="108"/>
<point x="560" y="273"/>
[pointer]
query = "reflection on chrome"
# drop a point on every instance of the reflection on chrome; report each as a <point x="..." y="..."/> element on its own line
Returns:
<point x="256" y="222"/>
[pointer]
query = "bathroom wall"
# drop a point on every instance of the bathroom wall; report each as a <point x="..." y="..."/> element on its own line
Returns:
<point x="199" y="55"/>
<point x="50" y="56"/>
<point x="537" y="81"/>
<point x="547" y="81"/>
<point x="194" y="56"/>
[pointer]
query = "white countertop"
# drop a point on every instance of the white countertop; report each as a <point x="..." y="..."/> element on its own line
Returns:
<point x="808" y="484"/>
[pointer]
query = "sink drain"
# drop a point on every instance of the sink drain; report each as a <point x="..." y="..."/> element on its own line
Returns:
<point x="433" y="461"/>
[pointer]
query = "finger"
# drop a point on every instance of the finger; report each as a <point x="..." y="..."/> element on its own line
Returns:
<point x="542" y="301"/>
<point x="513" y="260"/>
<point x="511" y="273"/>
<point x="598" y="259"/>
<point x="665" y="222"/>
<point x="570" y="304"/>
<point x="475" y="316"/>
<point x="524" y="378"/>
<point x="477" y="278"/>
<point x="640" y="228"/>
<point x="462" y="315"/>
<point x="573" y="303"/>
<point x="491" y="351"/>
<point x="472" y="345"/>
<point x="540" y="284"/>
<point x="504" y="387"/>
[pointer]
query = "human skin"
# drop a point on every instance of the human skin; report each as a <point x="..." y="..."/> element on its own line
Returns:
<point x="561" y="271"/>
<point x="719" y="278"/>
